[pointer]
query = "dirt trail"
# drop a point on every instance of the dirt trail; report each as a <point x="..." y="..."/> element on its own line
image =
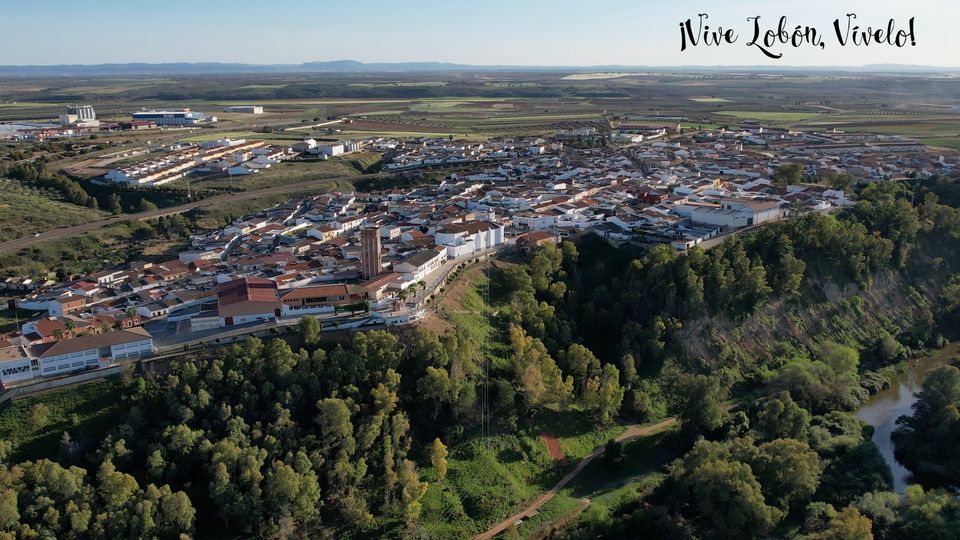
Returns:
<point x="632" y="432"/>
<point x="553" y="447"/>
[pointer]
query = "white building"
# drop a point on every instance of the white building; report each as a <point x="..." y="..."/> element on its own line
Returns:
<point x="417" y="267"/>
<point x="332" y="149"/>
<point x="15" y="365"/>
<point x="465" y="239"/>
<point x="247" y="109"/>
<point x="178" y="117"/>
<point x="734" y="213"/>
<point x="90" y="351"/>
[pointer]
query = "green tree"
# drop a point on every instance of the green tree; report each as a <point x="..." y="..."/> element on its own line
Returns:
<point x="146" y="206"/>
<point x="931" y="434"/>
<point x="114" y="204"/>
<point x="434" y="387"/>
<point x="38" y="415"/>
<point x="699" y="403"/>
<point x="780" y="417"/>
<point x="728" y="494"/>
<point x="788" y="174"/>
<point x="848" y="524"/>
<point x="438" y="458"/>
<point x="788" y="470"/>
<point x="309" y="331"/>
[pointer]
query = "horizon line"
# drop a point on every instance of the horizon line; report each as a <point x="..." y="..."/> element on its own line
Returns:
<point x="457" y="65"/>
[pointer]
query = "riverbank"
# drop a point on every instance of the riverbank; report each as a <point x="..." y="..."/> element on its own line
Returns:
<point x="884" y="408"/>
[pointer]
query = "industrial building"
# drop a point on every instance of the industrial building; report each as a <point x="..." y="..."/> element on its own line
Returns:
<point x="247" y="109"/>
<point x="174" y="117"/>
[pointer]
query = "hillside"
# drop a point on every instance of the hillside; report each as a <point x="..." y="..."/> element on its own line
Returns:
<point x="27" y="211"/>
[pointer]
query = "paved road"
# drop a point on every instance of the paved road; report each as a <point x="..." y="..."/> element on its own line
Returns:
<point x="632" y="432"/>
<point x="67" y="232"/>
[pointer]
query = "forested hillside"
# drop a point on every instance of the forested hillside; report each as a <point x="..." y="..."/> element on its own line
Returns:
<point x="761" y="348"/>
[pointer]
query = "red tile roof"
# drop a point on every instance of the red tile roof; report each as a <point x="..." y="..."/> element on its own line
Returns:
<point x="248" y="289"/>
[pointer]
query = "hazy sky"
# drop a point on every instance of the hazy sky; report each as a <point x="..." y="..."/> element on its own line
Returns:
<point x="515" y="32"/>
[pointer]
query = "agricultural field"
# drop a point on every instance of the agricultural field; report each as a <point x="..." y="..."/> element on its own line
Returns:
<point x="771" y="116"/>
<point x="27" y="210"/>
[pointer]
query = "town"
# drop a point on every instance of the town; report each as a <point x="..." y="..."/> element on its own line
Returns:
<point x="375" y="259"/>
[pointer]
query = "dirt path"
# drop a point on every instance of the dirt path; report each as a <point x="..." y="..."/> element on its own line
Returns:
<point x="553" y="447"/>
<point x="632" y="432"/>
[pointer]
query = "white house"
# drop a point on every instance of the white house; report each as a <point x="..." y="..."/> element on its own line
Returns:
<point x="419" y="266"/>
<point x="465" y="239"/>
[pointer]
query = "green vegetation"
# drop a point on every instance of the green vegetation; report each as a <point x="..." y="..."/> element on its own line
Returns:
<point x="926" y="440"/>
<point x="30" y="210"/>
<point x="773" y="116"/>
<point x="36" y="425"/>
<point x="8" y="319"/>
<point x="294" y="172"/>
<point x="115" y="245"/>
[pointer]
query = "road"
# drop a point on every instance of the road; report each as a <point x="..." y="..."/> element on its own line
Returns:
<point x="632" y="432"/>
<point x="68" y="232"/>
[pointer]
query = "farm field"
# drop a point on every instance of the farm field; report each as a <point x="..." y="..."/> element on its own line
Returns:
<point x="771" y="116"/>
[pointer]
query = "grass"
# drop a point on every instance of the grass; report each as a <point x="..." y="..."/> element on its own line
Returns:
<point x="8" y="319"/>
<point x="88" y="412"/>
<point x="608" y="487"/>
<point x="25" y="211"/>
<point x="489" y="479"/>
<point x="214" y="217"/>
<point x="81" y="254"/>
<point x="948" y="142"/>
<point x="772" y="116"/>
<point x="291" y="172"/>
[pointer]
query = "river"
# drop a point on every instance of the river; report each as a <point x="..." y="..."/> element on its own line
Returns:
<point x="883" y="408"/>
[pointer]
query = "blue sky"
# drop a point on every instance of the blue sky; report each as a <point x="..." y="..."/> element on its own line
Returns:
<point x="515" y="32"/>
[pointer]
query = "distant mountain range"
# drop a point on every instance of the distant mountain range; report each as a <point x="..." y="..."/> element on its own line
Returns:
<point x="353" y="66"/>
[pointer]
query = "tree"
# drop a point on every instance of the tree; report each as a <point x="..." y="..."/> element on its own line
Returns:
<point x="114" y="204"/>
<point x="580" y="362"/>
<point x="781" y="417"/>
<point x="435" y="387"/>
<point x="540" y="379"/>
<point x="146" y="206"/>
<point x="788" y="470"/>
<point x="610" y="394"/>
<point x="39" y="415"/>
<point x="438" y="458"/>
<point x="309" y="329"/>
<point x="412" y="490"/>
<point x="699" y="403"/>
<point x="728" y="494"/>
<point x="788" y="174"/>
<point x="848" y="524"/>
<point x="425" y="349"/>
<point x="928" y="439"/>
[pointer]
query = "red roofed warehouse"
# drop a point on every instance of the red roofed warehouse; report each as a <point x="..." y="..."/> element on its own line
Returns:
<point x="248" y="300"/>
